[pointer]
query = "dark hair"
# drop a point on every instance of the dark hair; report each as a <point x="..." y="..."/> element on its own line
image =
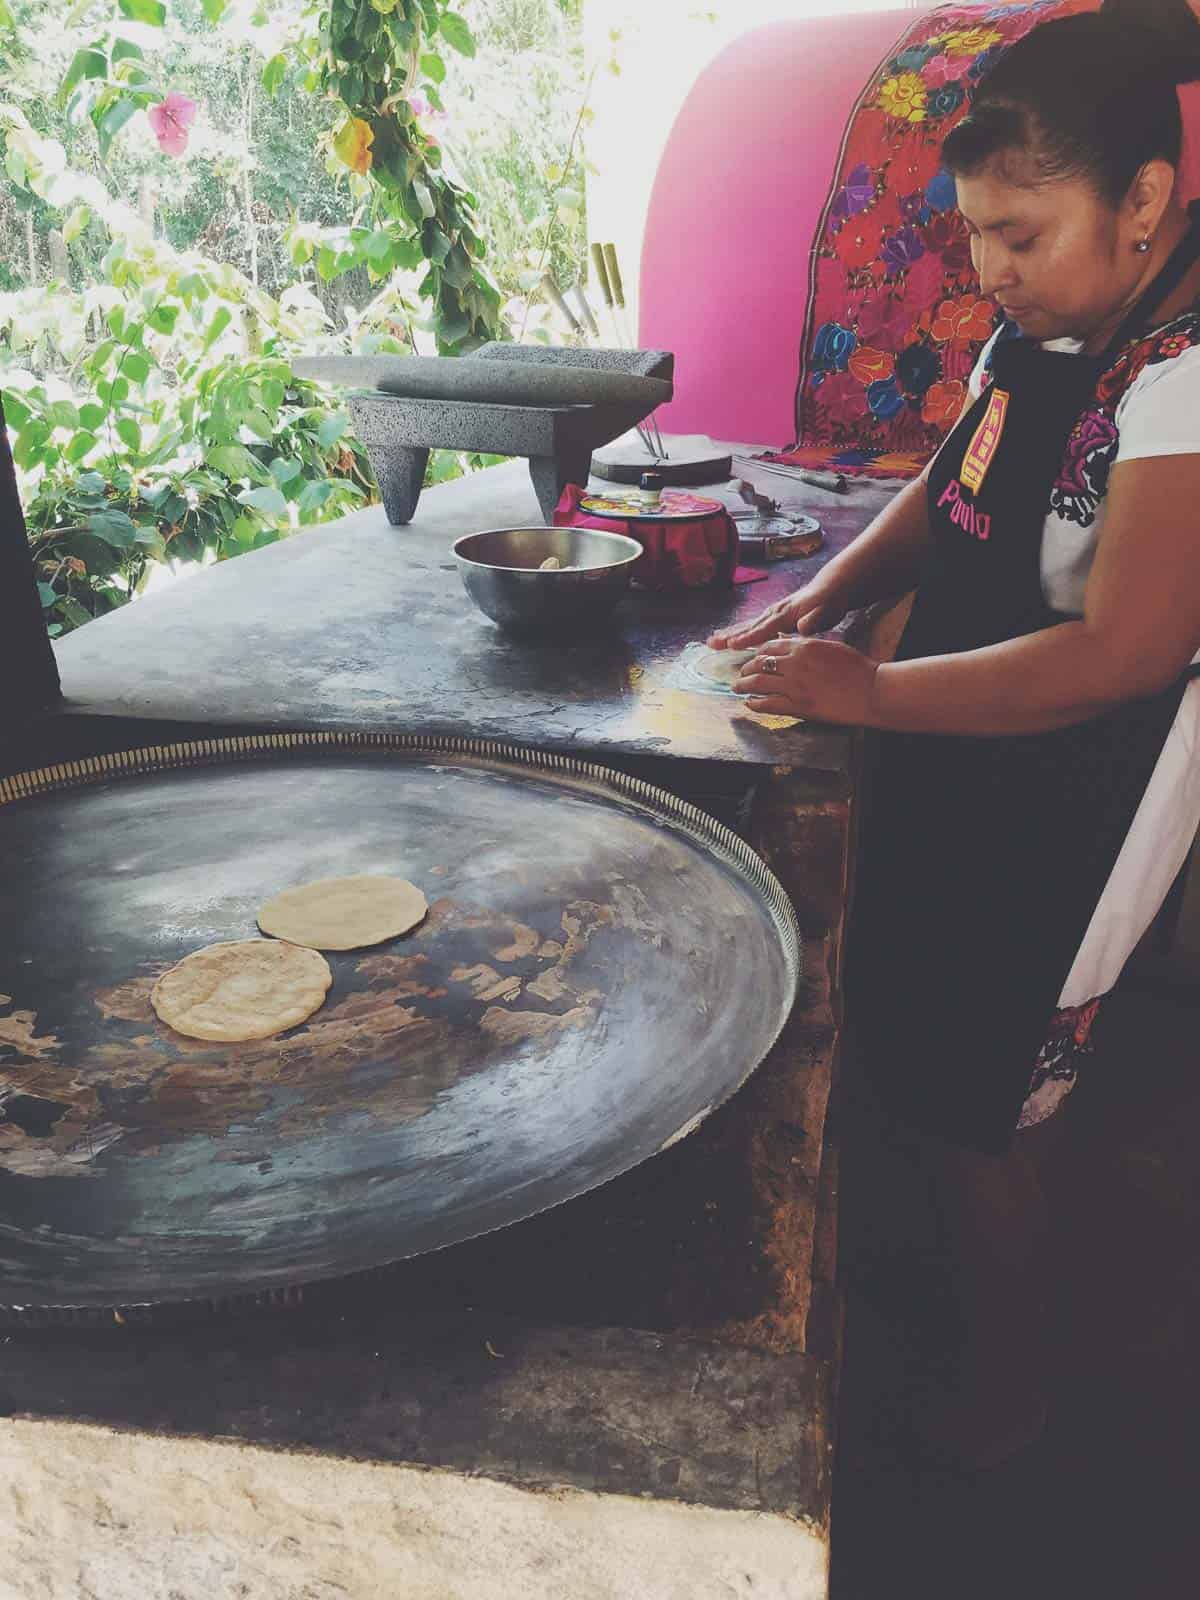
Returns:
<point x="1089" y="96"/>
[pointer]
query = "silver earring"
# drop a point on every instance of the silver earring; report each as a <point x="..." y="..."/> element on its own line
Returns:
<point x="1142" y="247"/>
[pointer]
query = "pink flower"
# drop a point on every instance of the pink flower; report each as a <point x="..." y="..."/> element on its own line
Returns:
<point x="170" y="122"/>
<point x="425" y="113"/>
<point x="940" y="70"/>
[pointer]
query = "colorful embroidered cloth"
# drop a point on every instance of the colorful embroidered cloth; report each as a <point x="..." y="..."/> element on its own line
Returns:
<point x="895" y="320"/>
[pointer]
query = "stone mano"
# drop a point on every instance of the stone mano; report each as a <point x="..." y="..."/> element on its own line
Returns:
<point x="553" y="406"/>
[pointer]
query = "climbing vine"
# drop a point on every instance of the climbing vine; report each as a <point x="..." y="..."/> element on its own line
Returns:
<point x="381" y="62"/>
<point x="372" y="55"/>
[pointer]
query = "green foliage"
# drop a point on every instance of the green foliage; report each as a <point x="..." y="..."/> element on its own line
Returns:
<point x="150" y="411"/>
<point x="368" y="57"/>
<point x="147" y="380"/>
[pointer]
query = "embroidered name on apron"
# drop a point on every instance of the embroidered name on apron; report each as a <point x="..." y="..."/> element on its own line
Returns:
<point x="982" y="449"/>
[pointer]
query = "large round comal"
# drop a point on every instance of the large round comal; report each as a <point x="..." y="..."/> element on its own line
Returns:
<point x="601" y="965"/>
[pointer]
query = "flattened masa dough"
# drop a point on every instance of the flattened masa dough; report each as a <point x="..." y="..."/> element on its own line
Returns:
<point x="249" y="989"/>
<point x="344" y="913"/>
<point x="722" y="666"/>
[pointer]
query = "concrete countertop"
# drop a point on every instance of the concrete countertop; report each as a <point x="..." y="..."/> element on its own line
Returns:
<point x="359" y="624"/>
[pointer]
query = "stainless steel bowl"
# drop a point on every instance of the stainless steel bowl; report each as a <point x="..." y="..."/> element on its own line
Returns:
<point x="500" y="571"/>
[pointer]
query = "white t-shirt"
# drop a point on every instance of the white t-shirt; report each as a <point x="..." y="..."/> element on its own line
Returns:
<point x="1147" y="404"/>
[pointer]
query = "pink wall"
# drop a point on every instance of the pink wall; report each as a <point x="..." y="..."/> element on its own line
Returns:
<point x="734" y="209"/>
<point x="744" y="176"/>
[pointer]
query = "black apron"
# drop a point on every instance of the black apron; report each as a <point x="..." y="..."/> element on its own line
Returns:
<point x="982" y="860"/>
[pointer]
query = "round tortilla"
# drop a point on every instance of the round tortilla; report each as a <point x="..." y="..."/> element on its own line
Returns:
<point x="344" y="913"/>
<point x="722" y="666"/>
<point x="249" y="989"/>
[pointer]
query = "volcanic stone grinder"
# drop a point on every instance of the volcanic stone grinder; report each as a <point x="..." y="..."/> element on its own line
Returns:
<point x="553" y="406"/>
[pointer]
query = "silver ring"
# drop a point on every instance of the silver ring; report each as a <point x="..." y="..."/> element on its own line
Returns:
<point x="770" y="664"/>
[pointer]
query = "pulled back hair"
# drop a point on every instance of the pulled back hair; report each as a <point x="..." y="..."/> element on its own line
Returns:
<point x="1090" y="96"/>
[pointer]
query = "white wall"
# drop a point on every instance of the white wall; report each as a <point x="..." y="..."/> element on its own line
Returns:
<point x="660" y="48"/>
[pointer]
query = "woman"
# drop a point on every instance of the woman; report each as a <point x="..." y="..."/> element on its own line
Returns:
<point x="1032" y="796"/>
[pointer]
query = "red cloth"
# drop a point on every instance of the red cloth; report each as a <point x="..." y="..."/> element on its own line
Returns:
<point x="677" y="555"/>
<point x="895" y="320"/>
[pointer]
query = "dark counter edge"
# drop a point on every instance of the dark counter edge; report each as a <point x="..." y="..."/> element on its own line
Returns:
<point x="607" y="1411"/>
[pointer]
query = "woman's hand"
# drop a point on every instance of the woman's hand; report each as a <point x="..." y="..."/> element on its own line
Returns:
<point x="814" y="678"/>
<point x="813" y="609"/>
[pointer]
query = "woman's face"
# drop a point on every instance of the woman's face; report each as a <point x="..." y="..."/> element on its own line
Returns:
<point x="1050" y="255"/>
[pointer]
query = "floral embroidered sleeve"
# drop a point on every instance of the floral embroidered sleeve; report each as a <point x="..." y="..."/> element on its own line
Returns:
<point x="1146" y="404"/>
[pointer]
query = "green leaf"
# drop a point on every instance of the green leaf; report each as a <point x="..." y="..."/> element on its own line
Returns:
<point x="407" y="254"/>
<point x="126" y="50"/>
<point x="454" y="328"/>
<point x="116" y="321"/>
<point x="91" y="415"/>
<point x="62" y="414"/>
<point x="234" y="460"/>
<point x="269" y="501"/>
<point x="75" y="614"/>
<point x="16" y="412"/>
<point x="113" y="120"/>
<point x="424" y="199"/>
<point x="100" y="357"/>
<point x="129" y="433"/>
<point x="437" y="246"/>
<point x="332" y="429"/>
<point x="163" y="318"/>
<point x="457" y="34"/>
<point x="76" y="224"/>
<point x="379" y="249"/>
<point x="85" y="64"/>
<point x="284" y="470"/>
<point x="274" y="74"/>
<point x="214" y="10"/>
<point x="258" y="424"/>
<point x="434" y="68"/>
<point x="136" y="367"/>
<point x="114" y="392"/>
<point x="47" y="596"/>
<point x="150" y="539"/>
<point x="28" y="447"/>
<point x="314" y="495"/>
<point x="114" y="527"/>
<point x="221" y="318"/>
<point x="151" y="11"/>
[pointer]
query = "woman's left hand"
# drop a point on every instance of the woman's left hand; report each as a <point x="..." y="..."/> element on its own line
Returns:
<point x="814" y="678"/>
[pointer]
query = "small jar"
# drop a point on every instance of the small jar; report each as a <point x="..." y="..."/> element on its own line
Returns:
<point x="650" y="488"/>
